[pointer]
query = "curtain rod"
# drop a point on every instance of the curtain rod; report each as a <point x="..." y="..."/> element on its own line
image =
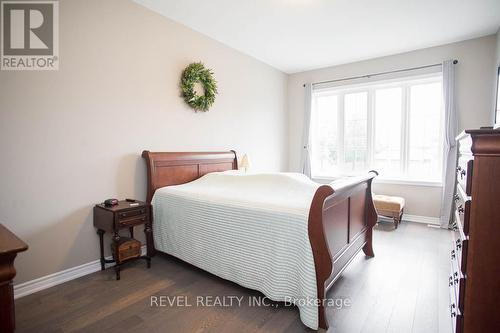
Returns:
<point x="381" y="73"/>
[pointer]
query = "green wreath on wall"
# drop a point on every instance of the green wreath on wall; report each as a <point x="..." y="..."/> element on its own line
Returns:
<point x="196" y="72"/>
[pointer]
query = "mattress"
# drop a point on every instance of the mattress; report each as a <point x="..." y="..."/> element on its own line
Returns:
<point x="247" y="228"/>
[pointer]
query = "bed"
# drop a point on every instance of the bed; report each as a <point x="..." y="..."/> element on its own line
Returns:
<point x="279" y="233"/>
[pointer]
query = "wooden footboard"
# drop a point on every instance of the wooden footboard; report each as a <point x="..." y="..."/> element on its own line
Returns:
<point x="341" y="221"/>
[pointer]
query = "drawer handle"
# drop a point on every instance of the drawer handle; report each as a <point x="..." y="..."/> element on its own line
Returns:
<point x="457" y="197"/>
<point x="461" y="209"/>
<point x="461" y="172"/>
<point x="459" y="246"/>
<point x="123" y="215"/>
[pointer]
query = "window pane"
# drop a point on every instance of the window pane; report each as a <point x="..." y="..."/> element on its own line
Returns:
<point x="355" y="131"/>
<point x="425" y="139"/>
<point x="324" y="136"/>
<point x="387" y="131"/>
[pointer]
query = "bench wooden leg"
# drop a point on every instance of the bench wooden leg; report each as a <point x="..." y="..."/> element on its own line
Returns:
<point x="397" y="220"/>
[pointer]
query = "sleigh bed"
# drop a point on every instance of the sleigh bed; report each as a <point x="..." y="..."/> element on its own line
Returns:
<point x="337" y="223"/>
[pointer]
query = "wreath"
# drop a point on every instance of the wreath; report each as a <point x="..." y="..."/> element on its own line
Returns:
<point x="196" y="72"/>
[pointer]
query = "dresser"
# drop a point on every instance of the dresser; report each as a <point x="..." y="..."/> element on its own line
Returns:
<point x="474" y="281"/>
<point x="10" y="246"/>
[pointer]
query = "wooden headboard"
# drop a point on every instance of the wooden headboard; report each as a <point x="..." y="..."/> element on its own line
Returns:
<point x="169" y="168"/>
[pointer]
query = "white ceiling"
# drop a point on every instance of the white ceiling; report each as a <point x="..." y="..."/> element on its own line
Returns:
<point x="297" y="35"/>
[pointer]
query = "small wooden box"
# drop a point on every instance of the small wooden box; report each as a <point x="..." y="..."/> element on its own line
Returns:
<point x="125" y="249"/>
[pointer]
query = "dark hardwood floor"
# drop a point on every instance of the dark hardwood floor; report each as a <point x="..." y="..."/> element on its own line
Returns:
<point x="403" y="289"/>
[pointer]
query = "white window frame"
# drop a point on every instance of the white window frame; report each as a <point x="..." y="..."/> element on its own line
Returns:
<point x="370" y="87"/>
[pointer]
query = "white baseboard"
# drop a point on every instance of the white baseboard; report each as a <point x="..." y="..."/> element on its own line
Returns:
<point x="30" y="287"/>
<point x="417" y="219"/>
<point x="421" y="219"/>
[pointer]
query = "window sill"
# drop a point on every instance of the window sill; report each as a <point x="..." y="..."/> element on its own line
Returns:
<point x="408" y="182"/>
<point x="326" y="180"/>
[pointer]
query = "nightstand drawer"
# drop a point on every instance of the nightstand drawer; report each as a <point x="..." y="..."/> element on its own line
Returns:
<point x="134" y="220"/>
<point x="131" y="213"/>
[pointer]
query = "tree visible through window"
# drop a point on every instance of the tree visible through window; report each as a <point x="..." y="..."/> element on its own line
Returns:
<point x="392" y="127"/>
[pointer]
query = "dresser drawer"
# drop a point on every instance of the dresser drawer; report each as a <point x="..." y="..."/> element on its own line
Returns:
<point x="463" y="209"/>
<point x="462" y="219"/>
<point x="464" y="173"/>
<point x="464" y="246"/>
<point x="454" y="291"/>
<point x="460" y="261"/>
<point x="459" y="251"/>
<point x="457" y="323"/>
<point x="460" y="286"/>
<point x="453" y="295"/>
<point x="457" y="281"/>
<point x="455" y="314"/>
<point x="456" y="310"/>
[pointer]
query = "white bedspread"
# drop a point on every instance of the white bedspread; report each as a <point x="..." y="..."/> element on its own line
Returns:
<point x="247" y="228"/>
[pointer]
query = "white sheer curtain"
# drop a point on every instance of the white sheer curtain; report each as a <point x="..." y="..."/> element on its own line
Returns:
<point x="305" y="158"/>
<point x="450" y="149"/>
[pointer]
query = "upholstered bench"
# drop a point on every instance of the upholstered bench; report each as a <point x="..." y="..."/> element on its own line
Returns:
<point x="389" y="206"/>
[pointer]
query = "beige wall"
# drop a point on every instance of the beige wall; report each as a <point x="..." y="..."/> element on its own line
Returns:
<point x="73" y="137"/>
<point x="474" y="91"/>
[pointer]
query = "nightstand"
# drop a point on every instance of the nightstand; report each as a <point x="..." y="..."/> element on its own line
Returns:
<point x="125" y="215"/>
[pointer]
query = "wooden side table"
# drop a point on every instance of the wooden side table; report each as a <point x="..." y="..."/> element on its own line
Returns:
<point x="10" y="245"/>
<point x="125" y="215"/>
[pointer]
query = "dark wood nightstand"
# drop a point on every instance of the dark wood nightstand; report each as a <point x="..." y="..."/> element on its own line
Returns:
<point x="125" y="215"/>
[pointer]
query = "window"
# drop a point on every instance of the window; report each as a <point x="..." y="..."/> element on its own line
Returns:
<point x="394" y="127"/>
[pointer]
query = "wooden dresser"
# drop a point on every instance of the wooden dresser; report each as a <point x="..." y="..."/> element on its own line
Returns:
<point x="475" y="258"/>
<point x="10" y="246"/>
